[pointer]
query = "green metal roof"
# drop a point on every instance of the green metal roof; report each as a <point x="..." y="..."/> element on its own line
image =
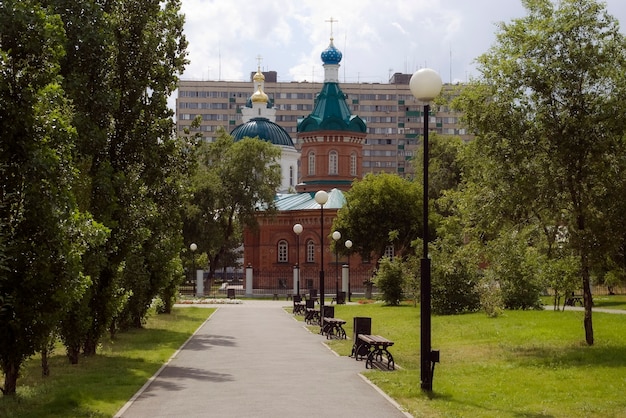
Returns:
<point x="306" y="201"/>
<point x="331" y="113"/>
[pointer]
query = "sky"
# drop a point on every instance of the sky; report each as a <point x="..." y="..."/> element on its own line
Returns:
<point x="377" y="38"/>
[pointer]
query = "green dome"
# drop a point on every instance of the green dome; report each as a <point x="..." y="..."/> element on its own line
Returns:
<point x="265" y="129"/>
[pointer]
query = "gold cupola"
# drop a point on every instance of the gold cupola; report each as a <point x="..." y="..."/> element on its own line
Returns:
<point x="259" y="96"/>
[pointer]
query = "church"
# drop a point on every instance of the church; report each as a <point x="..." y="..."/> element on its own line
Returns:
<point x="291" y="251"/>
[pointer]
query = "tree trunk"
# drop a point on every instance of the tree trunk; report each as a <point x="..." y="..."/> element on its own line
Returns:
<point x="10" y="379"/>
<point x="587" y="300"/>
<point x="45" y="365"/>
<point x="73" y="354"/>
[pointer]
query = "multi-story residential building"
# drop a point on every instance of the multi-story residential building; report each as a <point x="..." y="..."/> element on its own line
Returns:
<point x="394" y="118"/>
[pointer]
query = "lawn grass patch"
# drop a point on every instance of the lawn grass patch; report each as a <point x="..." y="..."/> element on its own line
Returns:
<point x="524" y="363"/>
<point x="100" y="385"/>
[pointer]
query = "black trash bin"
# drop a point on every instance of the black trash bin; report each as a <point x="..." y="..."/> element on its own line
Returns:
<point x="360" y="325"/>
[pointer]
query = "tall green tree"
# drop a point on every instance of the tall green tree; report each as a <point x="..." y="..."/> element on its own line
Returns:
<point x="381" y="209"/>
<point x="122" y="64"/>
<point x="232" y="181"/>
<point x="547" y="113"/>
<point x="43" y="233"/>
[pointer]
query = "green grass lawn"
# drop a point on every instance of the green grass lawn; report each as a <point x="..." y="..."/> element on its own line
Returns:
<point x="599" y="301"/>
<point x="523" y="364"/>
<point x="99" y="386"/>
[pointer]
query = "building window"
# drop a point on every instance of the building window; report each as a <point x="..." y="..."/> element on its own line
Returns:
<point x="291" y="175"/>
<point x="283" y="250"/>
<point x="310" y="251"/>
<point x="333" y="162"/>
<point x="389" y="252"/>
<point x="353" y="167"/>
<point x="311" y="163"/>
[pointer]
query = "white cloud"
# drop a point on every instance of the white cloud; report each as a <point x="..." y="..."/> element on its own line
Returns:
<point x="225" y="36"/>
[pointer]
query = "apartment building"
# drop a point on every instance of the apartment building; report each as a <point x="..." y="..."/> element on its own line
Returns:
<point x="393" y="116"/>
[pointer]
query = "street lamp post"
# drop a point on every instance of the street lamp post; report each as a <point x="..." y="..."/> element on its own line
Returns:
<point x="321" y="197"/>
<point x="297" y="229"/>
<point x="336" y="237"/>
<point x="425" y="85"/>
<point x="348" y="245"/>
<point x="193" y="247"/>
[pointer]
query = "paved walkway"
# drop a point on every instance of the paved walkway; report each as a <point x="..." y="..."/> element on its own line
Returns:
<point x="255" y="360"/>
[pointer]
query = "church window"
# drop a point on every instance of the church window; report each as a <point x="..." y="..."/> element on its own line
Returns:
<point x="389" y="252"/>
<point x="283" y="249"/>
<point x="333" y="162"/>
<point x="311" y="163"/>
<point x="310" y="251"/>
<point x="353" y="167"/>
<point x="291" y="175"/>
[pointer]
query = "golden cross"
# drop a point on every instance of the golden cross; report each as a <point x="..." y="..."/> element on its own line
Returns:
<point x="259" y="58"/>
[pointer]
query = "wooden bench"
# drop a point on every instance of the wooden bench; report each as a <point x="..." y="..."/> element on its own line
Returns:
<point x="572" y="300"/>
<point x="312" y="316"/>
<point x="374" y="349"/>
<point x="333" y="328"/>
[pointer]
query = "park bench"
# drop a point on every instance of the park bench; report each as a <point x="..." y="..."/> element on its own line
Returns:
<point x="374" y="349"/>
<point x="573" y="299"/>
<point x="311" y="315"/>
<point x="333" y="328"/>
<point x="298" y="305"/>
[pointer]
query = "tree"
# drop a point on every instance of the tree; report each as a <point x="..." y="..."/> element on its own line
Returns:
<point x="546" y="111"/>
<point x="381" y="209"/>
<point x="122" y="62"/>
<point x="231" y="183"/>
<point x="43" y="232"/>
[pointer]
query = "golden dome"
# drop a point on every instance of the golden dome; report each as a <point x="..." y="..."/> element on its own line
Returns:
<point x="259" y="76"/>
<point x="259" y="96"/>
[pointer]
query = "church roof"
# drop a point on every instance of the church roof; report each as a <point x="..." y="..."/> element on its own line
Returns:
<point x="330" y="111"/>
<point x="306" y="201"/>
<point x="265" y="129"/>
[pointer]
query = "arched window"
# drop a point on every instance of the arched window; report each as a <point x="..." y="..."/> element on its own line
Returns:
<point x="311" y="163"/>
<point x="353" y="164"/>
<point x="310" y="251"/>
<point x="389" y="252"/>
<point x="333" y="162"/>
<point x="283" y="251"/>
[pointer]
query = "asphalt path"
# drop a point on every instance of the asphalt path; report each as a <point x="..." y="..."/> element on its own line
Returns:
<point x="255" y="360"/>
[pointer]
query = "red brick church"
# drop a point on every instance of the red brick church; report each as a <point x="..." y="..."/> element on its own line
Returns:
<point x="330" y="160"/>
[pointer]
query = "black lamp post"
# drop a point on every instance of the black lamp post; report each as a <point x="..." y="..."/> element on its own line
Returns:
<point x="193" y="247"/>
<point x="321" y="197"/>
<point x="297" y="229"/>
<point x="336" y="237"/>
<point x="425" y="85"/>
<point x="349" y="247"/>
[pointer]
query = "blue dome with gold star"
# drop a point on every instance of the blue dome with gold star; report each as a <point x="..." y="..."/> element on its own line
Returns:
<point x="331" y="55"/>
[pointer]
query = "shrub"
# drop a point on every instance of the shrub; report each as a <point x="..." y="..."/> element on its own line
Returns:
<point x="390" y="280"/>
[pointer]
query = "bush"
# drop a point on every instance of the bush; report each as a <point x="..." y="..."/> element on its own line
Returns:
<point x="454" y="289"/>
<point x="491" y="297"/>
<point x="390" y="280"/>
<point x="454" y="279"/>
<point x="515" y="265"/>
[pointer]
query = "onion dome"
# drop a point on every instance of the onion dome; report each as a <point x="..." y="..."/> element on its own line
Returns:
<point x="259" y="96"/>
<point x="258" y="77"/>
<point x="264" y="129"/>
<point x="331" y="55"/>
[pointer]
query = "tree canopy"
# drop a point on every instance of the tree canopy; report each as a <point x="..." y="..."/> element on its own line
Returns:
<point x="547" y="114"/>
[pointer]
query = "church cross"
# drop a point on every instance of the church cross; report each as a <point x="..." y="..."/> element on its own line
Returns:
<point x="331" y="25"/>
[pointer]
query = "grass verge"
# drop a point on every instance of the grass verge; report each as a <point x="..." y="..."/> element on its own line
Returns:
<point x="99" y="386"/>
<point x="522" y="364"/>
